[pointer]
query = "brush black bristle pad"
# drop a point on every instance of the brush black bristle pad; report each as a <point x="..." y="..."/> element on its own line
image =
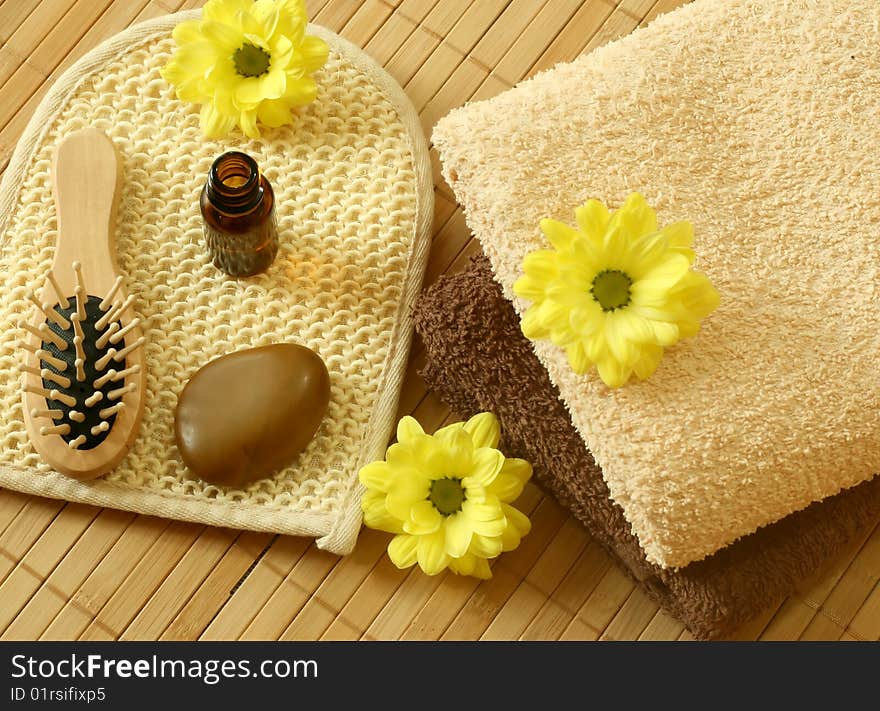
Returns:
<point x="81" y="390"/>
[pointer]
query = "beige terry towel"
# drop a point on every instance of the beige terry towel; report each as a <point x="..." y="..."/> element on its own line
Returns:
<point x="757" y="121"/>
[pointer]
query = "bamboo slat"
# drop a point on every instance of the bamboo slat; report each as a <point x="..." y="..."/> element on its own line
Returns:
<point x="88" y="600"/>
<point x="71" y="571"/>
<point x="59" y="587"/>
<point x="632" y="617"/>
<point x="42" y="558"/>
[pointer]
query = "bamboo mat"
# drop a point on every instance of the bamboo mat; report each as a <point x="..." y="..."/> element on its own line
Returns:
<point x="70" y="571"/>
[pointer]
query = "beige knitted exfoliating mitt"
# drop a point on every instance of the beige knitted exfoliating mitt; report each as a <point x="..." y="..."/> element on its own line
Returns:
<point x="354" y="203"/>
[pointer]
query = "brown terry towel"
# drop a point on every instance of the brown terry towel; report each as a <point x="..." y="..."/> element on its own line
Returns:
<point x="477" y="359"/>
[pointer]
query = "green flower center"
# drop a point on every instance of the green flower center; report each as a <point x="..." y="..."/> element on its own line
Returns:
<point x="250" y="60"/>
<point x="447" y="495"/>
<point x="611" y="289"/>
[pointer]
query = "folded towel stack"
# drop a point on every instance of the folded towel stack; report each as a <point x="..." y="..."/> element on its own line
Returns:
<point x="477" y="359"/>
<point x="750" y="120"/>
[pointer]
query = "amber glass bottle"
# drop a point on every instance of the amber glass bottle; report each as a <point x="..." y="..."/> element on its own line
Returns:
<point x="238" y="206"/>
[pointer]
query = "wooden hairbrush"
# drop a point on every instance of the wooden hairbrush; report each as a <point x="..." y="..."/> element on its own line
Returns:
<point x="83" y="376"/>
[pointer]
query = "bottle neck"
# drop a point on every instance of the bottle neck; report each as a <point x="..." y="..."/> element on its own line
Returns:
<point x="234" y="186"/>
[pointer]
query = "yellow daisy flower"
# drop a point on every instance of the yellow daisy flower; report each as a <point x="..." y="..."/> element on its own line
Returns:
<point x="615" y="291"/>
<point x="447" y="497"/>
<point x="246" y="61"/>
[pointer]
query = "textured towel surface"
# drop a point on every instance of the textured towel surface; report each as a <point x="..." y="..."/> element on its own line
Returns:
<point x="354" y="206"/>
<point x="757" y="121"/>
<point x="477" y="359"/>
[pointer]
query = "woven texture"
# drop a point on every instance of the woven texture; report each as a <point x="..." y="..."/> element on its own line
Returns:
<point x="751" y="119"/>
<point x="354" y="202"/>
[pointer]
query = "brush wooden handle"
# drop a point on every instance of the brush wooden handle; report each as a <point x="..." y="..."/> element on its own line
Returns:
<point x="86" y="177"/>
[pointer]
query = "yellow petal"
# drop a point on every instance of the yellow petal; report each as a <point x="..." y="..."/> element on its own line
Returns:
<point x="596" y="346"/>
<point x="687" y="329"/>
<point x="248" y="92"/>
<point x="188" y="87"/>
<point x="572" y="289"/>
<point x="679" y="234"/>
<point x="517" y="519"/>
<point x="458" y="534"/>
<point x="438" y="460"/>
<point x="485" y="519"/>
<point x="649" y="359"/>
<point x="485" y="465"/>
<point x="554" y="316"/>
<point x="312" y="53"/>
<point x="222" y="36"/>
<point x="192" y="92"/>
<point x="633" y="327"/>
<point x="483" y="429"/>
<point x="470" y="565"/>
<point x="175" y="73"/>
<point x="265" y="12"/>
<point x="486" y="546"/>
<point x="518" y="525"/>
<point x="292" y="20"/>
<point x="463" y="565"/>
<point x="586" y="253"/>
<point x="577" y="358"/>
<point x="644" y="254"/>
<point x="401" y="456"/>
<point x="587" y="318"/>
<point x="651" y="294"/>
<point x="561" y="236"/>
<point x="593" y="218"/>
<point x="274" y="113"/>
<point x="376" y="475"/>
<point x="407" y="488"/>
<point x="223" y="79"/>
<point x="376" y="515"/>
<point x="659" y="314"/>
<point x="509" y="483"/>
<point x="529" y="287"/>
<point x="613" y="374"/>
<point x="300" y="90"/>
<point x="248" y="122"/>
<point x="531" y="325"/>
<point x="666" y="274"/>
<point x="432" y="555"/>
<point x="665" y="334"/>
<point x="541" y="265"/>
<point x="224" y="10"/>
<point x="213" y="123"/>
<point x="615" y="246"/>
<point x="698" y="296"/>
<point x="408" y="429"/>
<point x="250" y="25"/>
<point x="423" y="519"/>
<point x="635" y="217"/>
<point x="455" y="451"/>
<point x="448" y="433"/>
<point x="282" y="53"/>
<point x="617" y="337"/>
<point x="481" y="569"/>
<point x="196" y="57"/>
<point x="187" y="31"/>
<point x="273" y="84"/>
<point x="403" y="550"/>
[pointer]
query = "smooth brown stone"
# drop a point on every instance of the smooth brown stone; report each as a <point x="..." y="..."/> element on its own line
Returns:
<point x="247" y="414"/>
